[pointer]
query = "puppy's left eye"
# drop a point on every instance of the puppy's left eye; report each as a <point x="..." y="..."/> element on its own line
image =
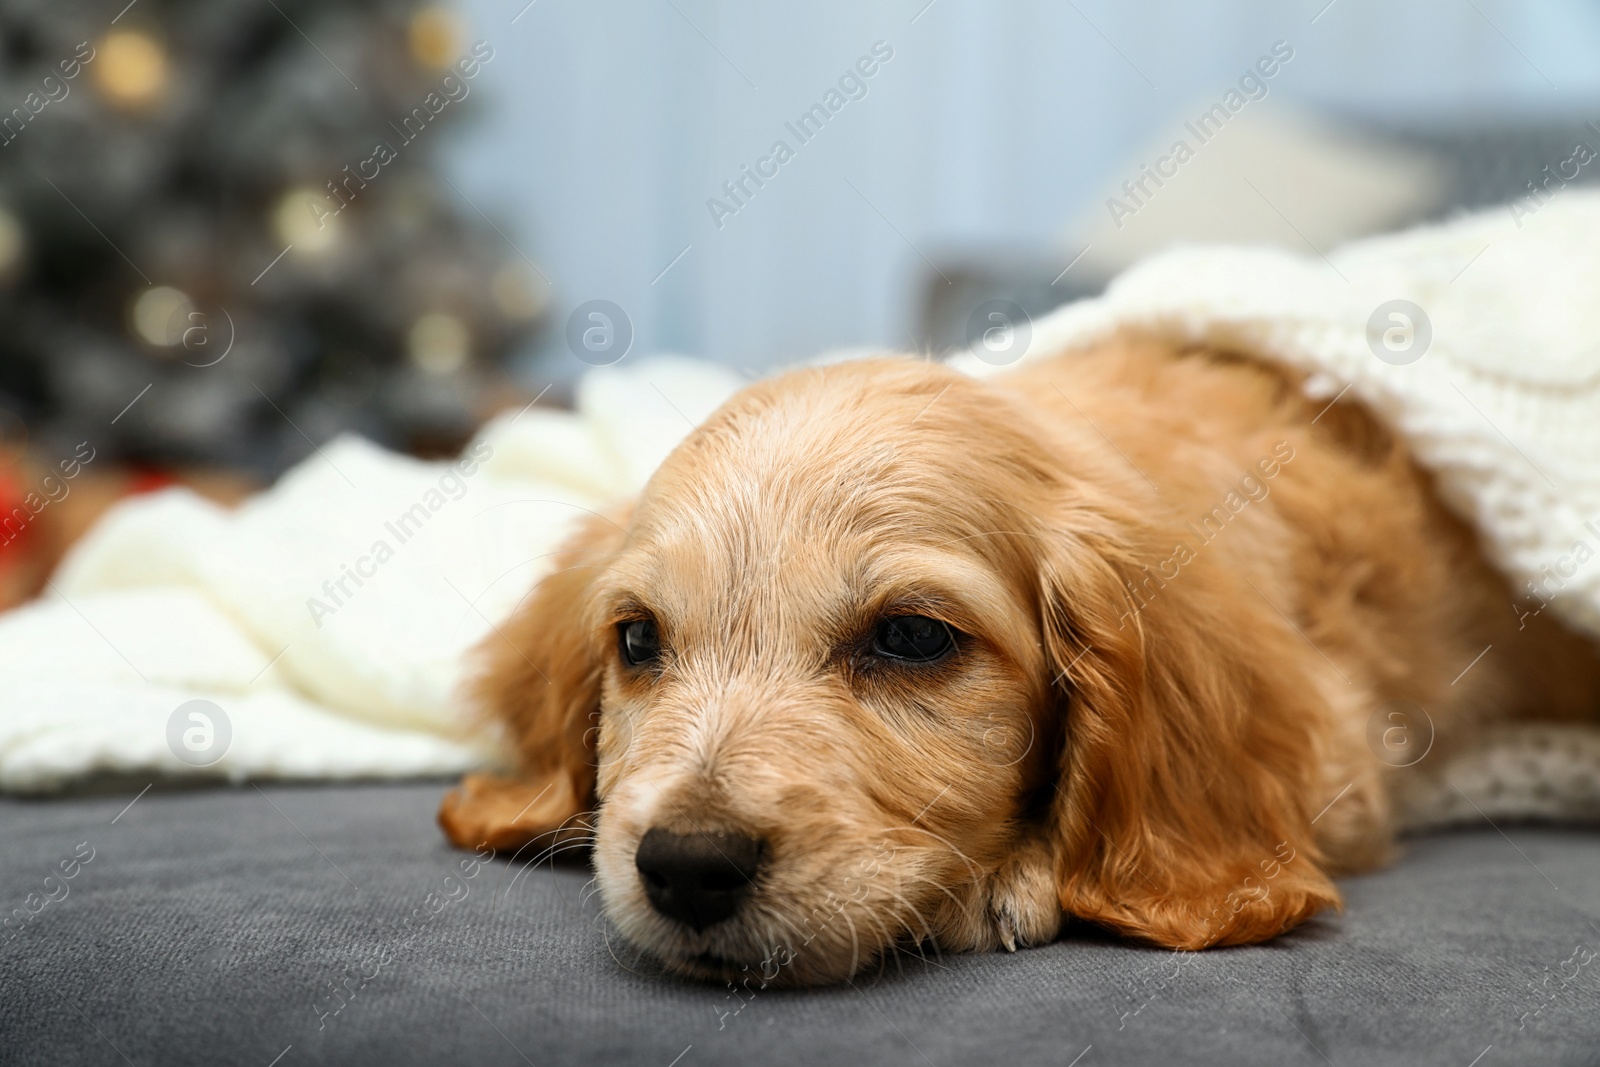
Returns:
<point x="916" y="638"/>
<point x="640" y="642"/>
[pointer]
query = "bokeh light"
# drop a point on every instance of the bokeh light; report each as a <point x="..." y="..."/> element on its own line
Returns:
<point x="130" y="69"/>
<point x="160" y="315"/>
<point x="435" y="36"/>
<point x="438" y="343"/>
<point x="518" y="292"/>
<point x="305" y="219"/>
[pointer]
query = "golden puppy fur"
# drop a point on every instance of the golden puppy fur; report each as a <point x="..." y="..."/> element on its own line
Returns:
<point x="1180" y="590"/>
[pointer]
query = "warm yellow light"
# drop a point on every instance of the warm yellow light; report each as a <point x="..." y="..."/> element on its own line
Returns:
<point x="436" y="35"/>
<point x="307" y="219"/>
<point x="130" y="68"/>
<point x="438" y="343"/>
<point x="518" y="292"/>
<point x="160" y="315"/>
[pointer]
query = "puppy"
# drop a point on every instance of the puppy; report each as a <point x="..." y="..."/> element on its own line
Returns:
<point x="886" y="655"/>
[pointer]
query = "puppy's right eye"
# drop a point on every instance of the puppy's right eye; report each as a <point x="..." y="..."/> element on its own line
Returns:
<point x="913" y="638"/>
<point x="640" y="642"/>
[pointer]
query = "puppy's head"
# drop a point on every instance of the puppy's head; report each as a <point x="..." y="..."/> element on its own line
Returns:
<point x="857" y="670"/>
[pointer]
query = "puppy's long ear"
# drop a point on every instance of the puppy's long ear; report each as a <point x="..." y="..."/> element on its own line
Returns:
<point x="1189" y="749"/>
<point x="538" y="674"/>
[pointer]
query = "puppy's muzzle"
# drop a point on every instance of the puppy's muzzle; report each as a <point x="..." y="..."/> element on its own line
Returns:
<point x="698" y="878"/>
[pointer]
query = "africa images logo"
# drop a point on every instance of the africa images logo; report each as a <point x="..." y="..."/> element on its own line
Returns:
<point x="1252" y="86"/>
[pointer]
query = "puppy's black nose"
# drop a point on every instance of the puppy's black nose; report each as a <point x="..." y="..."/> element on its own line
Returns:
<point x="697" y="878"/>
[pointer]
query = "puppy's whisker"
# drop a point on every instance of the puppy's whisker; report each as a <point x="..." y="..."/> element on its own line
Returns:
<point x="887" y="939"/>
<point x="855" y="942"/>
<point x="569" y="846"/>
<point x="525" y="845"/>
<point x="890" y="947"/>
<point x="590" y="888"/>
<point x="550" y="853"/>
<point x="961" y="906"/>
<point x="945" y="841"/>
<point x="582" y="836"/>
<point x="539" y="857"/>
<point x="589" y="832"/>
<point x="605" y="933"/>
<point x="912" y="909"/>
<point x="775" y="938"/>
<point x="520" y="872"/>
<point x="894" y="947"/>
<point x="880" y="946"/>
<point x="568" y="830"/>
<point x="784" y="919"/>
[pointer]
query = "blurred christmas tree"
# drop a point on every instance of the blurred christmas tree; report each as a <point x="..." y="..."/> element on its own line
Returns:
<point x="193" y="200"/>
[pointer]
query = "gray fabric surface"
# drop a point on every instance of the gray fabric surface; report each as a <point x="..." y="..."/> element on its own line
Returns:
<point x="209" y="924"/>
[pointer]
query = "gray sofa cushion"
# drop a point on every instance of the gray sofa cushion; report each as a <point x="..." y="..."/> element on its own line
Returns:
<point x="212" y="926"/>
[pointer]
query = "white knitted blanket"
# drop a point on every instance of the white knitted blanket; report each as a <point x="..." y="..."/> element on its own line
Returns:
<point x="322" y="624"/>
<point x="1502" y="402"/>
<point x="318" y="654"/>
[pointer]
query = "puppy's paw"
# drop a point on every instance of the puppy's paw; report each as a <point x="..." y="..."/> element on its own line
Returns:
<point x="1024" y="909"/>
<point x="486" y="810"/>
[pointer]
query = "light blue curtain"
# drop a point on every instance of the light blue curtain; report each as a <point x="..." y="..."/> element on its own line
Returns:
<point x="609" y="125"/>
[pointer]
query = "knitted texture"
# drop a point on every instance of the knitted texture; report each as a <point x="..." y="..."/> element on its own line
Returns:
<point x="1502" y="403"/>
